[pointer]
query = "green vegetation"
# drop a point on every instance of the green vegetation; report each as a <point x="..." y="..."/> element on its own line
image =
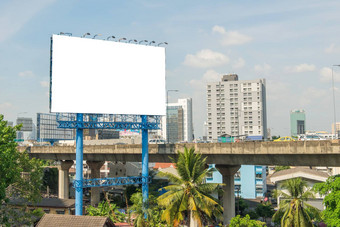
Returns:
<point x="187" y="196"/>
<point x="50" y="180"/>
<point x="265" y="210"/>
<point x="106" y="209"/>
<point x="331" y="190"/>
<point x="279" y="168"/>
<point x="238" y="221"/>
<point x="154" y="212"/>
<point x="20" y="178"/>
<point x="240" y="206"/>
<point x="293" y="210"/>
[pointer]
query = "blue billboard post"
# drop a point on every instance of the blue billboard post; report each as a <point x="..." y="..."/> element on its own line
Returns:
<point x="145" y="163"/>
<point x="135" y="122"/>
<point x="79" y="166"/>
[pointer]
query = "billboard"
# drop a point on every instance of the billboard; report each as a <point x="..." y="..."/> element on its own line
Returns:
<point x="100" y="76"/>
<point x="47" y="128"/>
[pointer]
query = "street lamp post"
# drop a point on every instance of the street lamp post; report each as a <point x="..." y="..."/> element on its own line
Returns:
<point x="335" y="132"/>
<point x="167" y="117"/>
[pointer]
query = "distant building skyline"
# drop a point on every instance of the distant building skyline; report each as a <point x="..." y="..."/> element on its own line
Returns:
<point x="297" y="122"/>
<point x="177" y="126"/>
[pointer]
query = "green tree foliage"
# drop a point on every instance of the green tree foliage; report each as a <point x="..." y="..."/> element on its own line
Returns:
<point x="20" y="178"/>
<point x="238" y="221"/>
<point x="240" y="206"/>
<point x="293" y="208"/>
<point x="50" y="179"/>
<point x="279" y="168"/>
<point x="188" y="195"/>
<point x="331" y="190"/>
<point x="265" y="210"/>
<point x="106" y="209"/>
<point x="153" y="212"/>
<point x="9" y="167"/>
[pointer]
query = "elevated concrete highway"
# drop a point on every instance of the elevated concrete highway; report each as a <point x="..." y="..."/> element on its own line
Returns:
<point x="295" y="153"/>
<point x="227" y="156"/>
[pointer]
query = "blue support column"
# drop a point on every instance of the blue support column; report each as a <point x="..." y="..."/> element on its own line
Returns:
<point x="145" y="162"/>
<point x="79" y="168"/>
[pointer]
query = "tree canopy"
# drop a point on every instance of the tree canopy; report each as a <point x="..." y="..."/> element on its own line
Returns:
<point x="20" y="177"/>
<point x="331" y="190"/>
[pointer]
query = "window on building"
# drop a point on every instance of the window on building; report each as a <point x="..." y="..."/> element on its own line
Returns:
<point x="209" y="175"/>
<point x="60" y="211"/>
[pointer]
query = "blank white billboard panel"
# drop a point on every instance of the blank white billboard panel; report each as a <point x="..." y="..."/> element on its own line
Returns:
<point x="99" y="76"/>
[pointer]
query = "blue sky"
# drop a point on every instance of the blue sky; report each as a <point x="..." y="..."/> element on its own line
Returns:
<point x="292" y="44"/>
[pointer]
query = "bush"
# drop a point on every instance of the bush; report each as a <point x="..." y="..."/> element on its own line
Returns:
<point x="245" y="222"/>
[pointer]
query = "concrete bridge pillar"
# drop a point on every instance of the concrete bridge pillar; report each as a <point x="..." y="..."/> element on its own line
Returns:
<point x="95" y="173"/>
<point x="63" y="181"/>
<point x="228" y="172"/>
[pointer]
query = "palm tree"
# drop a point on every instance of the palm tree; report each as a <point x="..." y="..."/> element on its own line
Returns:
<point x="293" y="208"/>
<point x="187" y="195"/>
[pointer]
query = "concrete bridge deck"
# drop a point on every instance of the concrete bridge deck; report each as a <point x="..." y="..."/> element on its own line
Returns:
<point x="295" y="153"/>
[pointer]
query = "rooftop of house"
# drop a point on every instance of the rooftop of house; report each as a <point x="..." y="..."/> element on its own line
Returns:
<point x="302" y="172"/>
<point x="57" y="220"/>
<point x="160" y="165"/>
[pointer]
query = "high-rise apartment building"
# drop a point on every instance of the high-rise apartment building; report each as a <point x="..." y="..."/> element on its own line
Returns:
<point x="236" y="108"/>
<point x="178" y="124"/>
<point x="249" y="181"/>
<point x="297" y="122"/>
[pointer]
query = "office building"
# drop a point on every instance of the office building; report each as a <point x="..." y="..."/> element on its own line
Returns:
<point x="297" y="122"/>
<point x="236" y="108"/>
<point x="177" y="126"/>
<point x="26" y="122"/>
<point x="27" y="130"/>
<point x="48" y="131"/>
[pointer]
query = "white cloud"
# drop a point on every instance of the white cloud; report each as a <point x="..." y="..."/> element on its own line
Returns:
<point x="26" y="74"/>
<point x="44" y="83"/>
<point x="208" y="76"/>
<point x="313" y="95"/>
<point x="230" y="38"/>
<point x="5" y="105"/>
<point x="326" y="75"/>
<point x="277" y="90"/>
<point x="332" y="49"/>
<point x="301" y="68"/>
<point x="16" y="13"/>
<point x="206" y="58"/>
<point x="239" y="63"/>
<point x="265" y="68"/>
